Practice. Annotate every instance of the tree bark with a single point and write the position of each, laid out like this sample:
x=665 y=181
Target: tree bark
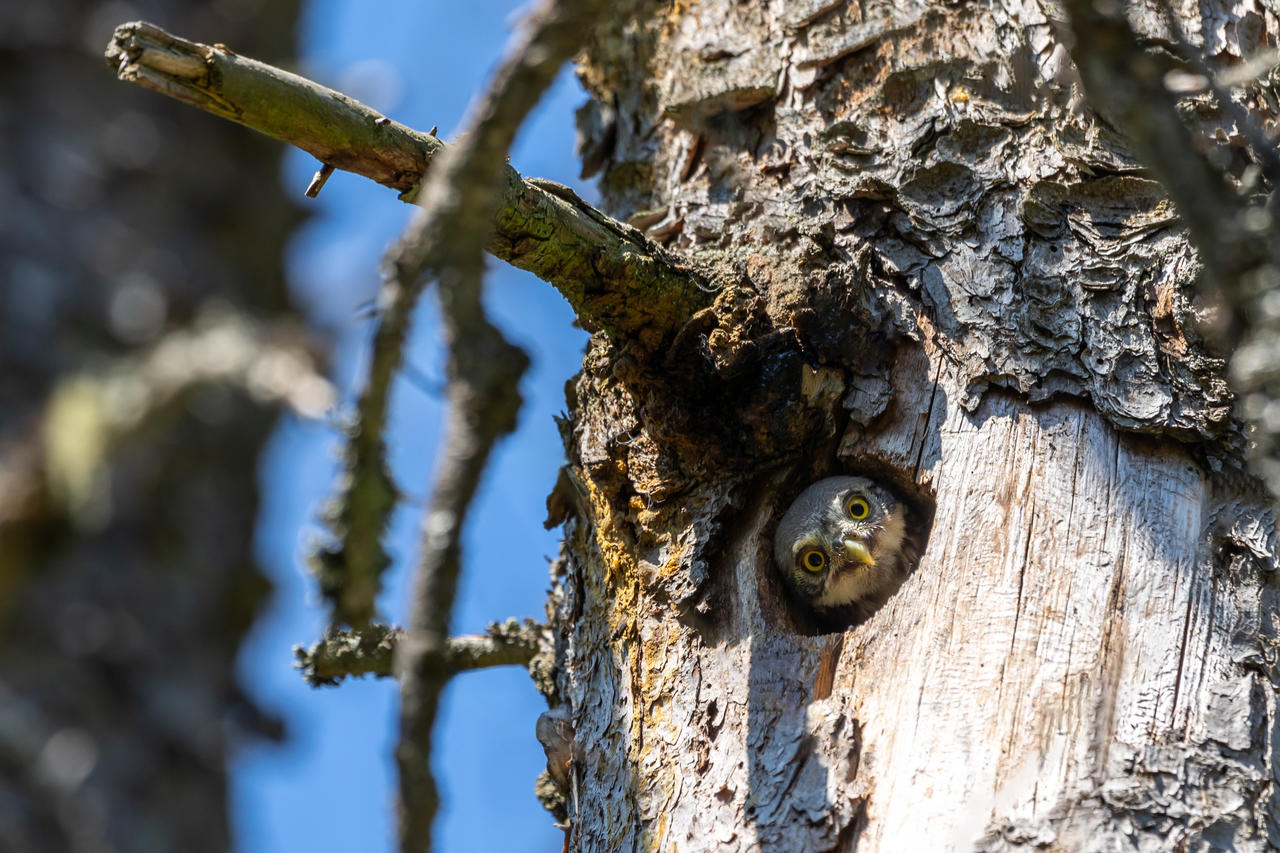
x=951 y=275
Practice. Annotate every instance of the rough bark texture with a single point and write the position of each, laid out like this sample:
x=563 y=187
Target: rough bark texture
x=126 y=574
x=952 y=275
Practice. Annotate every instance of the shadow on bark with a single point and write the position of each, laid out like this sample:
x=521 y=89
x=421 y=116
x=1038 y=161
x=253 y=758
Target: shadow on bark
x=788 y=780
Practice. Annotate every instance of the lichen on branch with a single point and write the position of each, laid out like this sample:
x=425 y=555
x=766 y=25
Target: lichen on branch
x=355 y=654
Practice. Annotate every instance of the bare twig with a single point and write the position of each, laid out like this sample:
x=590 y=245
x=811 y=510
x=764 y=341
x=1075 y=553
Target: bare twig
x=616 y=279
x=318 y=180
x=459 y=204
x=344 y=654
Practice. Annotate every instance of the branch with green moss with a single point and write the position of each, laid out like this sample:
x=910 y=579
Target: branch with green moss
x=615 y=278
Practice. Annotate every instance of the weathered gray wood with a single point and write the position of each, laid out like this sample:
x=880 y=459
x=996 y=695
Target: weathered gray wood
x=955 y=276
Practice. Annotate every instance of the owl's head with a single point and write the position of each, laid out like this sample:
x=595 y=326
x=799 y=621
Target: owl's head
x=841 y=542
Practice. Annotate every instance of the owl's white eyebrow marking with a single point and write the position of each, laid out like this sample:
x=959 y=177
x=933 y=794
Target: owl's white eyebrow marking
x=804 y=545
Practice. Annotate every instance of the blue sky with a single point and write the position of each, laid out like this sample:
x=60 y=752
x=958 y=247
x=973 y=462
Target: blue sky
x=331 y=786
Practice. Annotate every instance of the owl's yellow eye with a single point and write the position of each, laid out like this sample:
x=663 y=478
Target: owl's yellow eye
x=857 y=508
x=813 y=560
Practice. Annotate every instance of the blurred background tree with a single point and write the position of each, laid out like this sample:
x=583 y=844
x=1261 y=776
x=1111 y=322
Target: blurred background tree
x=141 y=241
x=134 y=249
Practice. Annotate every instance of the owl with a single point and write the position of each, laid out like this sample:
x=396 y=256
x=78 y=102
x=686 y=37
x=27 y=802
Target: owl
x=843 y=547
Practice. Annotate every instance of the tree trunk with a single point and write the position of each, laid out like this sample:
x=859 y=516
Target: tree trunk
x=953 y=277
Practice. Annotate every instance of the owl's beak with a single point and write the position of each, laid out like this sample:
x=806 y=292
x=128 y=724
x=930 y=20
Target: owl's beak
x=857 y=551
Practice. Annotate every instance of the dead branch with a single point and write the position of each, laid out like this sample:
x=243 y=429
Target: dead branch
x=616 y=279
x=447 y=241
x=59 y=467
x=347 y=654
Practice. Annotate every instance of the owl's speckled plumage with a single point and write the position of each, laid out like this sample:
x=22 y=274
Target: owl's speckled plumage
x=863 y=559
